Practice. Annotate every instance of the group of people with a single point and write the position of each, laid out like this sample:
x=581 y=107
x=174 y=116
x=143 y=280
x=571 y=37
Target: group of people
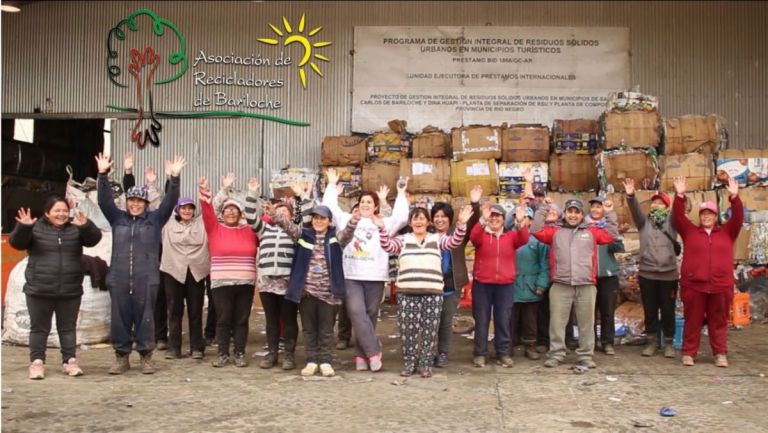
x=536 y=265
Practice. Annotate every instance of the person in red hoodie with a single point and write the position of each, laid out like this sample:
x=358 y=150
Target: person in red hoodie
x=573 y=266
x=706 y=275
x=493 y=281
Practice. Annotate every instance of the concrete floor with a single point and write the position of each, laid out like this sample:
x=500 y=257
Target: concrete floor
x=624 y=393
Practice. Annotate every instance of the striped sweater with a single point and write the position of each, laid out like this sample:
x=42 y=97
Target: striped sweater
x=233 y=249
x=420 y=270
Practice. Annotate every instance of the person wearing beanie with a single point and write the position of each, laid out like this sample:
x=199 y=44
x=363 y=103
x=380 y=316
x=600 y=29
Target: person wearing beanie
x=573 y=268
x=657 y=268
x=185 y=265
x=134 y=271
x=706 y=275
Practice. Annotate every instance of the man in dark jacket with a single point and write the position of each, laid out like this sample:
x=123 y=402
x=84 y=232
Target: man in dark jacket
x=134 y=273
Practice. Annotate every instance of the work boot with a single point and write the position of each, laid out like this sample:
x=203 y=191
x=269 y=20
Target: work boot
x=147 y=367
x=121 y=365
x=288 y=361
x=609 y=350
x=531 y=352
x=506 y=361
x=479 y=361
x=651 y=347
x=588 y=363
x=269 y=361
x=552 y=362
x=669 y=350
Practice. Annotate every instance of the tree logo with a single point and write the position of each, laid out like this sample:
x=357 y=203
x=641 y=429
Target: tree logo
x=298 y=37
x=142 y=64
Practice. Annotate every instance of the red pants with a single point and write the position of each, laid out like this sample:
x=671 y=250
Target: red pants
x=715 y=308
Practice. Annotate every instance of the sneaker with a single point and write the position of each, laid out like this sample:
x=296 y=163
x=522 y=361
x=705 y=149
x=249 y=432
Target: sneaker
x=506 y=361
x=288 y=362
x=121 y=365
x=197 y=354
x=542 y=348
x=531 y=353
x=609 y=350
x=342 y=345
x=478 y=361
x=375 y=362
x=688 y=361
x=269 y=361
x=172 y=354
x=326 y=370
x=669 y=351
x=650 y=348
x=360 y=363
x=37 y=370
x=240 y=360
x=211 y=342
x=220 y=361
x=161 y=345
x=588 y=363
x=721 y=361
x=552 y=362
x=441 y=360
x=309 y=370
x=71 y=368
x=281 y=345
x=147 y=367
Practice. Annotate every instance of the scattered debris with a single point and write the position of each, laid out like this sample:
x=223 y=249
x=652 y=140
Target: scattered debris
x=667 y=411
x=641 y=423
x=728 y=402
x=614 y=399
x=611 y=378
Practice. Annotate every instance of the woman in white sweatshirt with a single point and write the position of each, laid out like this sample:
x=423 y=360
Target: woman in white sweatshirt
x=366 y=266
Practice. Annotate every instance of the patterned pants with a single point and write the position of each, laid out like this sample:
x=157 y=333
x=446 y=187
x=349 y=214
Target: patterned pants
x=419 y=318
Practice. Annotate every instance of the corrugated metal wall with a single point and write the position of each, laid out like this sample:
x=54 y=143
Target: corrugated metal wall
x=697 y=57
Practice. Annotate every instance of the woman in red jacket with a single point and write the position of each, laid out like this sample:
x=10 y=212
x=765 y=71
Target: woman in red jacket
x=706 y=275
x=493 y=281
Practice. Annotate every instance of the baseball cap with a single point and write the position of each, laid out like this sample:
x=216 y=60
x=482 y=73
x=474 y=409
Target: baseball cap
x=597 y=199
x=232 y=202
x=322 y=211
x=499 y=209
x=661 y=196
x=183 y=201
x=136 y=192
x=574 y=203
x=708 y=205
x=556 y=208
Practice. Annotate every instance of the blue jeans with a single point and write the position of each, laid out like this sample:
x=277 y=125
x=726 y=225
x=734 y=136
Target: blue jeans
x=496 y=299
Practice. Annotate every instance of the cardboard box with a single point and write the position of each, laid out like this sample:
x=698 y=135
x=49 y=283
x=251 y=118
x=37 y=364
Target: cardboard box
x=621 y=207
x=573 y=172
x=637 y=129
x=742 y=248
x=428 y=200
x=459 y=202
x=466 y=174
x=343 y=150
x=387 y=147
x=379 y=173
x=476 y=142
x=688 y=134
x=748 y=166
x=636 y=165
x=525 y=143
x=350 y=178
x=559 y=198
x=576 y=135
x=427 y=174
x=696 y=167
x=431 y=145
x=755 y=199
x=281 y=180
x=576 y=126
x=511 y=180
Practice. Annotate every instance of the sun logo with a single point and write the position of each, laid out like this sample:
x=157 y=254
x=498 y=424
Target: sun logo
x=304 y=41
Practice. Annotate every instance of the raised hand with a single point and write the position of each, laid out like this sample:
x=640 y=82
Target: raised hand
x=80 y=219
x=301 y=188
x=608 y=205
x=520 y=212
x=378 y=221
x=269 y=208
x=548 y=200
x=175 y=165
x=401 y=187
x=681 y=185
x=228 y=180
x=128 y=162
x=202 y=185
x=629 y=186
x=332 y=176
x=733 y=187
x=25 y=217
x=475 y=194
x=150 y=175
x=383 y=192
x=253 y=184
x=465 y=214
x=104 y=163
x=486 y=210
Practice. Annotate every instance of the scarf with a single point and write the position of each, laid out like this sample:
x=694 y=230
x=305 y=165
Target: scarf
x=658 y=216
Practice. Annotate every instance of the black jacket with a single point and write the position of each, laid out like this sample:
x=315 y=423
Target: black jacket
x=54 y=269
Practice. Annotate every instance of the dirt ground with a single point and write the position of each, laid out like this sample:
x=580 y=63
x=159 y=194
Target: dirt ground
x=625 y=393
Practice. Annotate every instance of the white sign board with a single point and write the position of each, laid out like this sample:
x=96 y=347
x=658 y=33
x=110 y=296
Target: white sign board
x=453 y=76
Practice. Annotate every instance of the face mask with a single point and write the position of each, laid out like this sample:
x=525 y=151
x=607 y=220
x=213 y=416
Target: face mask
x=658 y=215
